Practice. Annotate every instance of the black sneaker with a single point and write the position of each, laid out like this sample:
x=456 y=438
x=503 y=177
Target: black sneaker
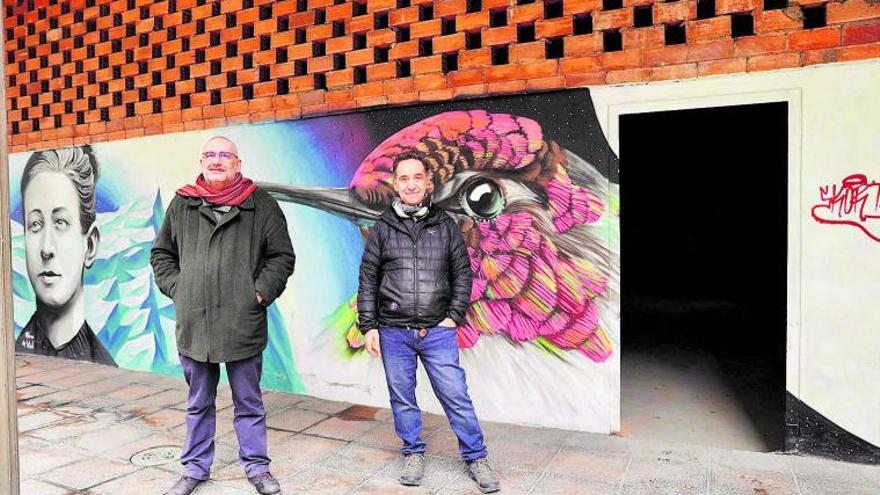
x=265 y=483
x=184 y=486
x=413 y=469
x=480 y=472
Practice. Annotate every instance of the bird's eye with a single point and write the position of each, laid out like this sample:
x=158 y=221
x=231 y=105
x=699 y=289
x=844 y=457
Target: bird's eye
x=482 y=199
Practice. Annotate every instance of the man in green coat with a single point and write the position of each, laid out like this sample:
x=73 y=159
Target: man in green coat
x=223 y=255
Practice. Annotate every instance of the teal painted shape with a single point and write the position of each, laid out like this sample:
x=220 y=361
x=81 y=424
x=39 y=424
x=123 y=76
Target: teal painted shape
x=132 y=318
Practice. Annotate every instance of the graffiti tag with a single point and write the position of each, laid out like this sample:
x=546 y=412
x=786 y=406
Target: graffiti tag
x=855 y=201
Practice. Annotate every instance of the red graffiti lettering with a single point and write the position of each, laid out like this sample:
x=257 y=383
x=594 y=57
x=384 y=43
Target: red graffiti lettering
x=855 y=201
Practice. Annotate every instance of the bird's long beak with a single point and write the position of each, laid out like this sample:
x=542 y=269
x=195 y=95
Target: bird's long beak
x=336 y=200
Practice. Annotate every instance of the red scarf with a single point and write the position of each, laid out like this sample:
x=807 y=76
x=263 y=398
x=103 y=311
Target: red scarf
x=234 y=194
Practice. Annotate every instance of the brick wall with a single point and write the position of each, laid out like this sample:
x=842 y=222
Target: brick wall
x=94 y=70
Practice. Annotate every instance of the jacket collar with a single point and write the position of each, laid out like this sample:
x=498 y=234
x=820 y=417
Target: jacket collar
x=435 y=216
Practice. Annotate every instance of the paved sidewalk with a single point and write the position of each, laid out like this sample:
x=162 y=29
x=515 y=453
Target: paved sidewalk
x=80 y=424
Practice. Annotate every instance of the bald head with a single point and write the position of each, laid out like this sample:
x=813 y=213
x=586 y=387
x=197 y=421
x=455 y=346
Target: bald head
x=220 y=163
x=222 y=141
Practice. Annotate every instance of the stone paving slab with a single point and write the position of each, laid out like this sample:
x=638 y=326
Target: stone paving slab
x=80 y=424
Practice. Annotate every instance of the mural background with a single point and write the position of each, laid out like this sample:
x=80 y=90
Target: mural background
x=522 y=382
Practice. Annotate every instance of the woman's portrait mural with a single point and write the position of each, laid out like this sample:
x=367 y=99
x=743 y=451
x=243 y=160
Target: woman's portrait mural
x=61 y=241
x=530 y=180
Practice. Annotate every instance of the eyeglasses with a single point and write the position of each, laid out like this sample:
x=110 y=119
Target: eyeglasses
x=224 y=155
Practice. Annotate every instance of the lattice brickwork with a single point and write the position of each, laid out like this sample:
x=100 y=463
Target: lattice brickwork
x=92 y=70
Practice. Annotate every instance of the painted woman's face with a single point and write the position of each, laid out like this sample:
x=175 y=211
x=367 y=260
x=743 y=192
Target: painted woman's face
x=56 y=248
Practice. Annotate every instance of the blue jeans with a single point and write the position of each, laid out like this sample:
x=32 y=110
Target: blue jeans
x=438 y=351
x=250 y=417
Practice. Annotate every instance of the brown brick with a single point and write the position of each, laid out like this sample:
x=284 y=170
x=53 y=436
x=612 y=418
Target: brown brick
x=444 y=8
x=681 y=71
x=425 y=28
x=367 y=89
x=708 y=29
x=524 y=52
x=339 y=96
x=424 y=82
x=469 y=91
x=612 y=19
x=404 y=16
x=436 y=95
x=858 y=52
x=674 y=12
x=406 y=50
x=499 y=36
x=191 y=114
x=852 y=10
x=648 y=37
x=371 y=101
x=337 y=12
x=449 y=43
x=313 y=97
x=359 y=57
x=668 y=55
x=379 y=5
x=401 y=85
x=814 y=38
x=526 y=13
x=778 y=20
x=583 y=44
x=403 y=98
x=424 y=65
x=621 y=59
x=288 y=114
x=383 y=37
x=545 y=83
x=861 y=33
x=360 y=24
x=585 y=64
x=712 y=50
x=320 y=64
x=553 y=27
x=320 y=32
x=474 y=58
x=473 y=21
x=466 y=77
x=735 y=6
x=381 y=72
x=506 y=87
x=580 y=6
x=540 y=69
x=819 y=56
x=628 y=76
x=504 y=72
x=337 y=45
x=759 y=44
x=340 y=78
x=772 y=62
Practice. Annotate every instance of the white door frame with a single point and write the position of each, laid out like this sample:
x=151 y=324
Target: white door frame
x=613 y=102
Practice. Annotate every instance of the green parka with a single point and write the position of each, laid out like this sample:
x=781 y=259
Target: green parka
x=213 y=269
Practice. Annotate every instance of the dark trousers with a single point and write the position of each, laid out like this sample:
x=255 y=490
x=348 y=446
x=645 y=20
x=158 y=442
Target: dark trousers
x=438 y=351
x=250 y=417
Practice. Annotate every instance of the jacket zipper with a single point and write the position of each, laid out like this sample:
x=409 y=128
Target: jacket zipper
x=415 y=282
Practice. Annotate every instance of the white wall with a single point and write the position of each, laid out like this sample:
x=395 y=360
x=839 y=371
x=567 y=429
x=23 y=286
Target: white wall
x=833 y=362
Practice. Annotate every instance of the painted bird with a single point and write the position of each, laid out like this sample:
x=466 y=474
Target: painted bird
x=531 y=214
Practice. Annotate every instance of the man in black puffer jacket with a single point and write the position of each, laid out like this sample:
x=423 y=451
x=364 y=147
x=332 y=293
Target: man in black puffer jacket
x=415 y=287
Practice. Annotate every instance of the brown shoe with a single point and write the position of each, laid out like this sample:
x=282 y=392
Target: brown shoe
x=265 y=483
x=184 y=486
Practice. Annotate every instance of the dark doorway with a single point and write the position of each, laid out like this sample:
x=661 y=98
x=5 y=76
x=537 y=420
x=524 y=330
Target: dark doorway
x=703 y=275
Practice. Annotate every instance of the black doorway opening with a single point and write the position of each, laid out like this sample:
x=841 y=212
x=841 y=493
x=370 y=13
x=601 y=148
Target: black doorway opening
x=703 y=196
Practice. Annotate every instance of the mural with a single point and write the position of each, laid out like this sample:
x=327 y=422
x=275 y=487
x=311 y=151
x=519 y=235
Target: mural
x=526 y=178
x=855 y=201
x=61 y=241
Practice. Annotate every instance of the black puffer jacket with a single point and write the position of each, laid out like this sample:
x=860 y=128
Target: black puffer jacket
x=413 y=273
